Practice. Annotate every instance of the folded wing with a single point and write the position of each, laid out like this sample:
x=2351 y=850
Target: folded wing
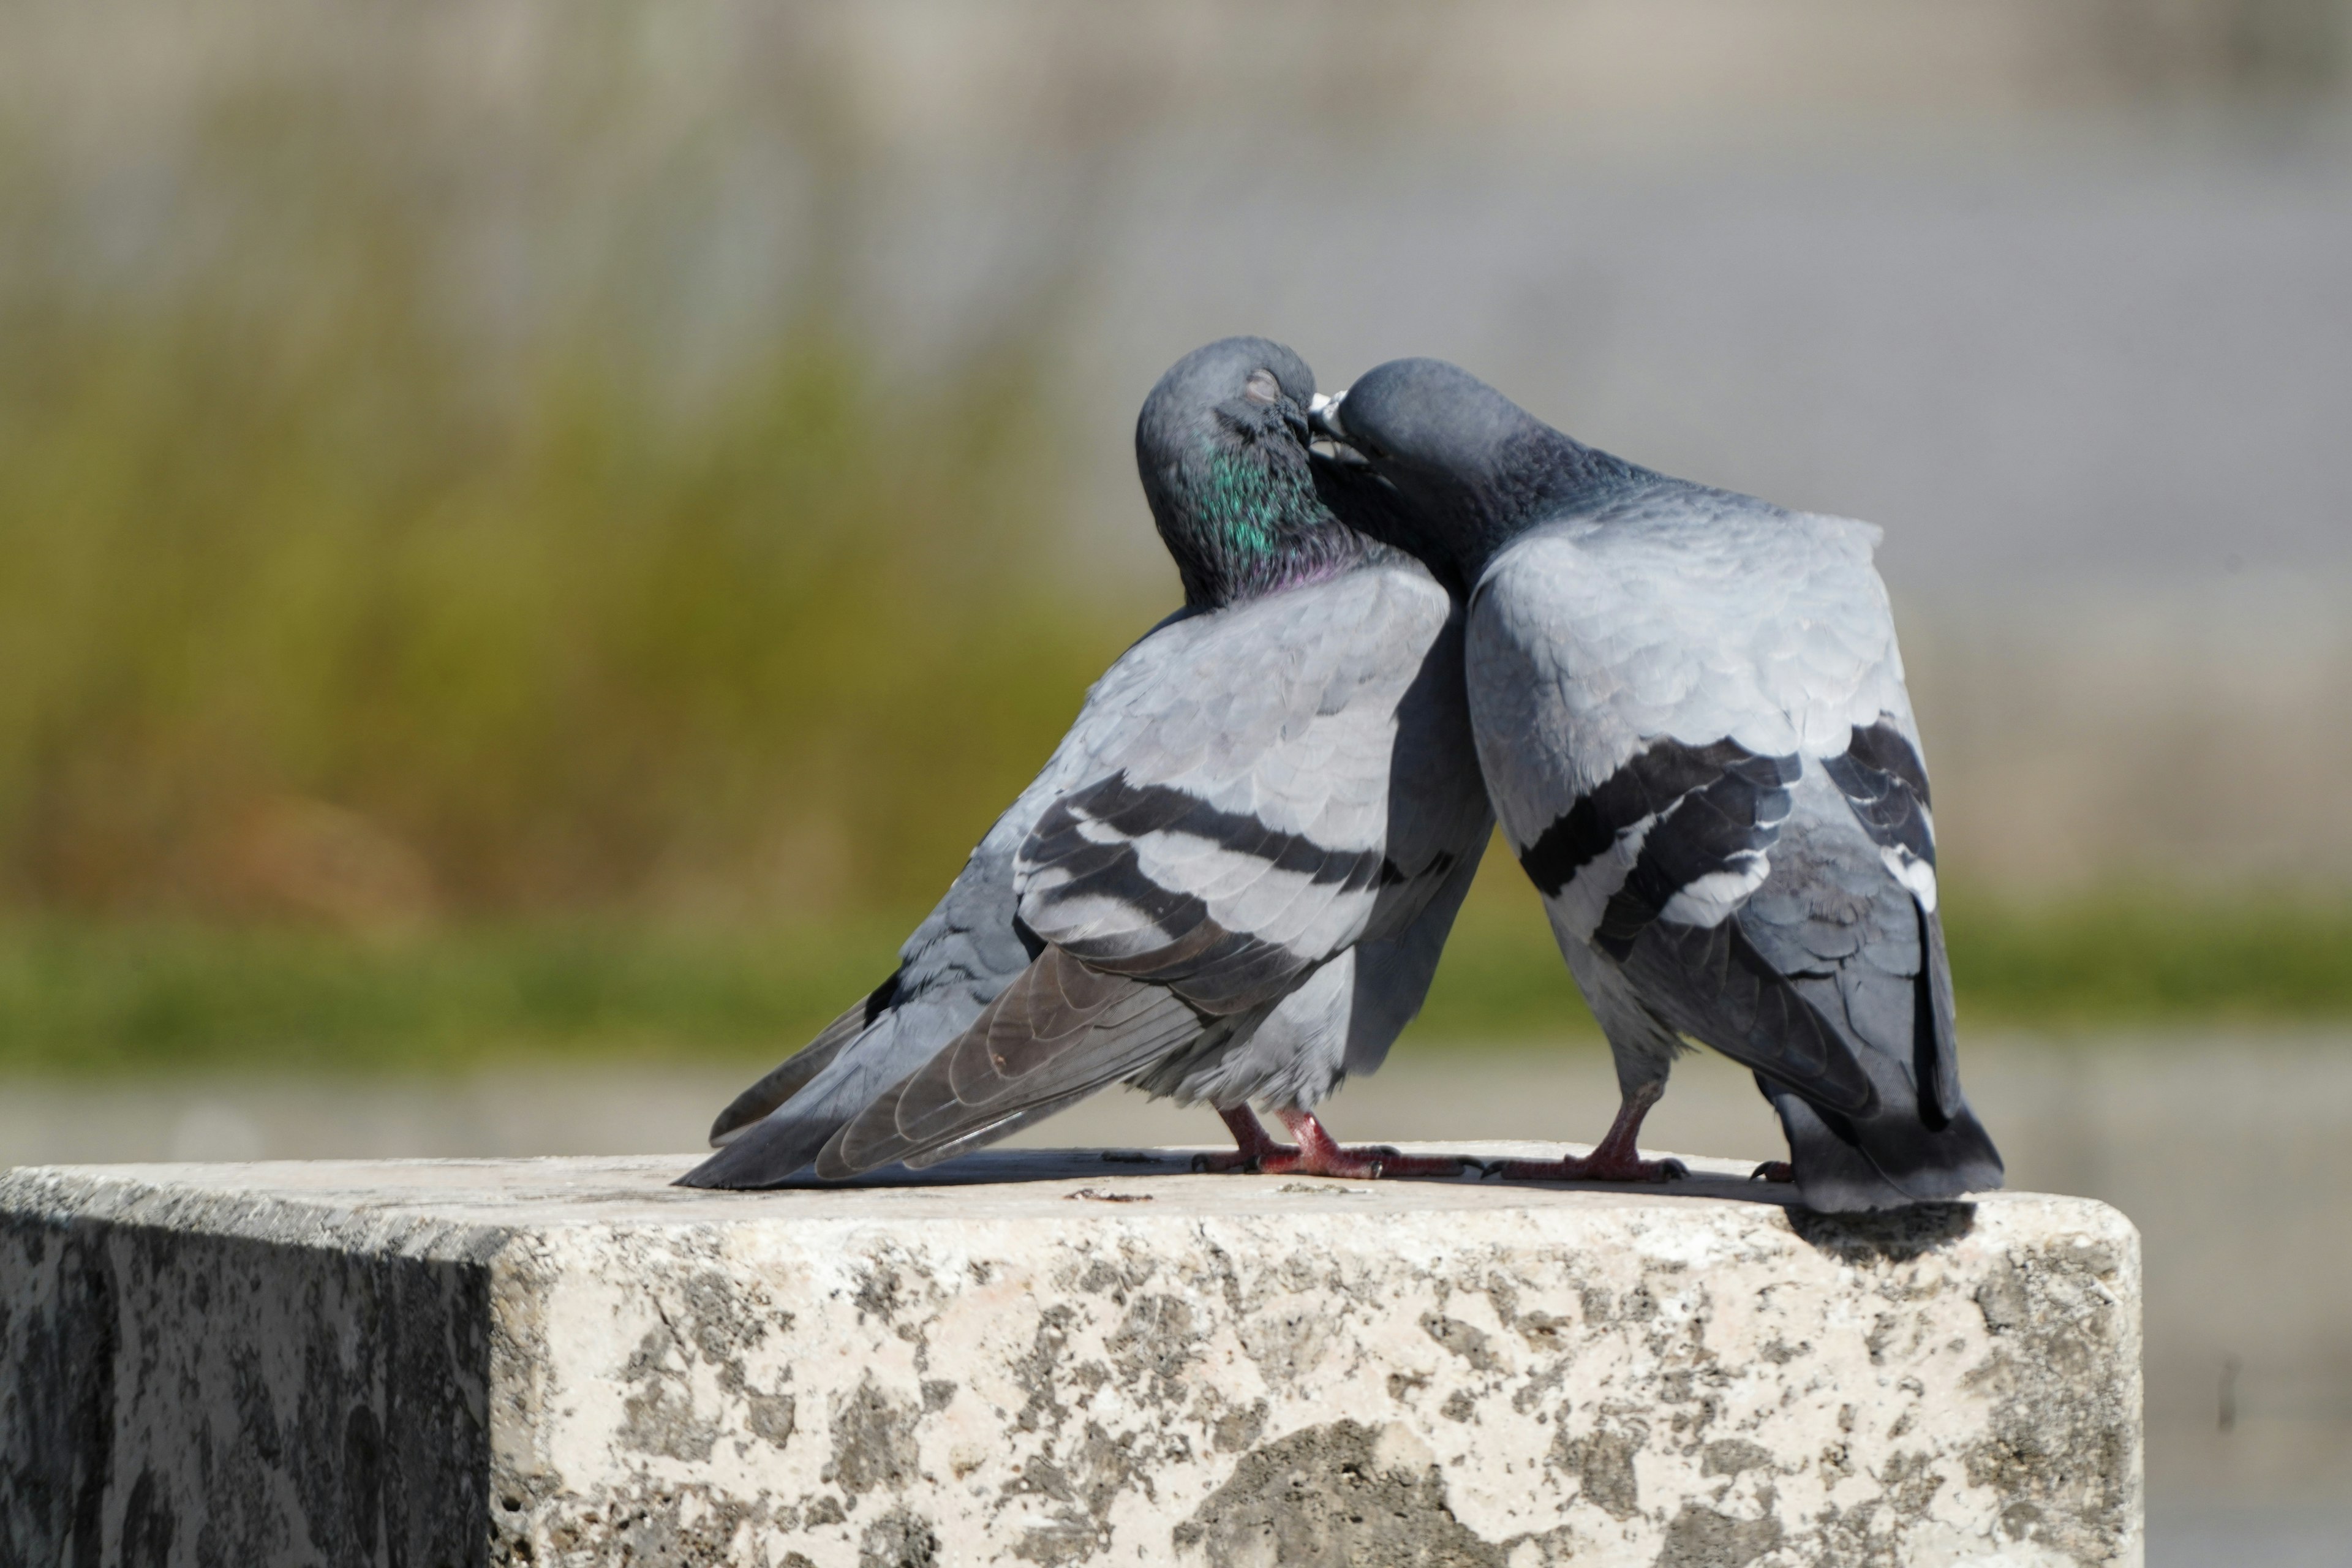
x=1240 y=831
x=1721 y=796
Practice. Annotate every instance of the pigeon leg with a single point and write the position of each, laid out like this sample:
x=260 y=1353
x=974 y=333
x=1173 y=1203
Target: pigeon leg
x=1315 y=1154
x=1253 y=1144
x=1614 y=1158
x=1318 y=1155
x=1773 y=1171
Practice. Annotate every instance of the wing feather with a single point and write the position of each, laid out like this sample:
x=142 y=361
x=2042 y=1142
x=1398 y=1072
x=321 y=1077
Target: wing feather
x=790 y=1076
x=1058 y=1033
x=1691 y=715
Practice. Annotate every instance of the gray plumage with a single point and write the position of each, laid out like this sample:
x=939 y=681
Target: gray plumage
x=1233 y=880
x=1690 y=710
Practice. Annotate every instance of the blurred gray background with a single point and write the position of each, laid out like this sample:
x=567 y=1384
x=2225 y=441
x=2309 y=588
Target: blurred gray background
x=2059 y=292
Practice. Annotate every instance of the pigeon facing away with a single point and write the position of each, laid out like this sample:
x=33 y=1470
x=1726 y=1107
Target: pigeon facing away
x=1232 y=882
x=1690 y=710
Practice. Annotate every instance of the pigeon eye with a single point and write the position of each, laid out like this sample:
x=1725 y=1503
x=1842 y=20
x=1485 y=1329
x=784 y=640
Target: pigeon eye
x=1262 y=389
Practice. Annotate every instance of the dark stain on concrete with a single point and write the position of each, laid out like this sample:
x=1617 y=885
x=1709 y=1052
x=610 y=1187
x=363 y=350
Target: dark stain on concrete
x=657 y=1417
x=1730 y=1456
x=770 y=1416
x=899 y=1539
x=645 y=1525
x=1546 y=1333
x=1699 y=1537
x=1601 y=1457
x=2062 y=1442
x=1237 y=1429
x=881 y=1294
x=1037 y=1372
x=1082 y=1483
x=873 y=1442
x=1463 y=1340
x=1322 y=1497
x=1159 y=1337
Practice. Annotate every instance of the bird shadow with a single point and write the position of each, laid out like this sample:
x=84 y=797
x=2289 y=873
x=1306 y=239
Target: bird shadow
x=1889 y=1235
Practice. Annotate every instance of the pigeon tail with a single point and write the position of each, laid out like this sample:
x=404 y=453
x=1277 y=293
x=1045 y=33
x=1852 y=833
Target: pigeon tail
x=1056 y=1034
x=1889 y=1160
x=773 y=1151
x=767 y=1154
x=748 y=1108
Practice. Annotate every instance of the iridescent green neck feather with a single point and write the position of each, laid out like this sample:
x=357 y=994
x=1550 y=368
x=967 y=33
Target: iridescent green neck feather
x=1246 y=523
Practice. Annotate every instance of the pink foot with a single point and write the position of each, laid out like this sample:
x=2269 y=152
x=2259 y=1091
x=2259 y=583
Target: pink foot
x=1594 y=1167
x=1614 y=1158
x=1315 y=1154
x=1773 y=1171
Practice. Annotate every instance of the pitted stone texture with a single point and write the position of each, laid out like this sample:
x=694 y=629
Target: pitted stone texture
x=1083 y=1360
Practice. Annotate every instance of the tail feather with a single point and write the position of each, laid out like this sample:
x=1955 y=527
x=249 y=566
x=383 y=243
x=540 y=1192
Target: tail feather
x=994 y=1132
x=1057 y=1034
x=1887 y=1160
x=792 y=1075
x=780 y=1145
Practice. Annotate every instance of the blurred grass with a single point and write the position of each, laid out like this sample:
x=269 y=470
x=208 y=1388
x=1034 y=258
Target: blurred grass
x=2117 y=957
x=783 y=653
x=327 y=598
x=2152 y=955
x=115 y=996
x=427 y=638
x=80 y=996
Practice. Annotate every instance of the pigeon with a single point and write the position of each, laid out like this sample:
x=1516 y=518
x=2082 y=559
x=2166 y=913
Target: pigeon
x=1234 y=879
x=1689 y=709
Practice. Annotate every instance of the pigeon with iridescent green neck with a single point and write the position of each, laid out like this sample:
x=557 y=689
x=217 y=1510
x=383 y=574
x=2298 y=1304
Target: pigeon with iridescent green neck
x=1232 y=882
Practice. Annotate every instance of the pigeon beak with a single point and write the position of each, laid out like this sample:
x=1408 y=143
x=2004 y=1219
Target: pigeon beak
x=1323 y=416
x=1331 y=436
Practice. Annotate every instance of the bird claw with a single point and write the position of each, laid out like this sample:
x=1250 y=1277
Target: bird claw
x=1349 y=1164
x=1590 y=1168
x=1367 y=1163
x=1773 y=1171
x=1392 y=1164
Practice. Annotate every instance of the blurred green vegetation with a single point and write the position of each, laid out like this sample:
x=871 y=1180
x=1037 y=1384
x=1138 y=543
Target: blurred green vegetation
x=2152 y=955
x=399 y=668
x=112 y=995
x=2114 y=957
x=324 y=600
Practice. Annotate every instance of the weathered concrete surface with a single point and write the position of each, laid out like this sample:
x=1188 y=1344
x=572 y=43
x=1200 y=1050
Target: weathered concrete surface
x=1088 y=1359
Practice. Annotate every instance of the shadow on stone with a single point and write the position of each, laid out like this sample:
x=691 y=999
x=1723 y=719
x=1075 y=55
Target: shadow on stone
x=1895 y=1236
x=1697 y=1184
x=1001 y=1165
x=988 y=1166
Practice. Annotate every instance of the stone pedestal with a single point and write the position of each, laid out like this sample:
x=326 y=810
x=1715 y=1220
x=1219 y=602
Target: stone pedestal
x=1063 y=1359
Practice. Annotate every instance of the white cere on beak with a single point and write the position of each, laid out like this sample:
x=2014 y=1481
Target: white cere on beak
x=1323 y=414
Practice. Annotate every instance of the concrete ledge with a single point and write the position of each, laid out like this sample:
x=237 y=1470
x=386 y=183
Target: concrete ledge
x=1053 y=1359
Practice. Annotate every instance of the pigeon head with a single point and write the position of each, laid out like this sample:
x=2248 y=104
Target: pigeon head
x=1222 y=448
x=1441 y=463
